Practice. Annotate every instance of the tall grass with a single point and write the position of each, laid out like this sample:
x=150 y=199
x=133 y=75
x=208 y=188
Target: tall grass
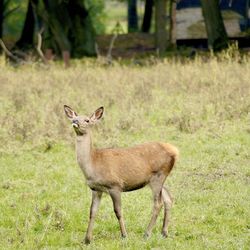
x=201 y=106
x=187 y=97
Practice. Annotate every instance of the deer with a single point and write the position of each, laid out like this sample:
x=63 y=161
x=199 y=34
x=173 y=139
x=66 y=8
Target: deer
x=117 y=170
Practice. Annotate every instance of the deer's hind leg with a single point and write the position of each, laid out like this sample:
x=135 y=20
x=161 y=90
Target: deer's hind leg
x=167 y=201
x=156 y=184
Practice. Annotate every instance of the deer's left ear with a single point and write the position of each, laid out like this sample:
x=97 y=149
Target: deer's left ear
x=97 y=115
x=70 y=113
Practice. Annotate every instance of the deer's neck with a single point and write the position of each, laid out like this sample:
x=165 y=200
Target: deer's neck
x=83 y=153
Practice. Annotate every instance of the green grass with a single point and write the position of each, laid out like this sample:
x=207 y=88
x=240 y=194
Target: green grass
x=201 y=106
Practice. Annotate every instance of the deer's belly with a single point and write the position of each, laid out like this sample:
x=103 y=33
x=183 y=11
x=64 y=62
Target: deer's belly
x=128 y=188
x=100 y=187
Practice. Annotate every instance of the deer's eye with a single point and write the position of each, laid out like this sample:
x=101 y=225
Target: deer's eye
x=87 y=120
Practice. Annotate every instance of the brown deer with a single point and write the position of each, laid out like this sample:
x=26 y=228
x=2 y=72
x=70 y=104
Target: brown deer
x=116 y=170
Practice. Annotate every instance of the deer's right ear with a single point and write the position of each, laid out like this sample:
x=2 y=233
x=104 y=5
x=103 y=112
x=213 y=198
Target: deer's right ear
x=70 y=113
x=97 y=115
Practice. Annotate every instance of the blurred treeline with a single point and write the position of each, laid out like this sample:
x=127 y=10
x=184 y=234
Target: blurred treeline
x=69 y=27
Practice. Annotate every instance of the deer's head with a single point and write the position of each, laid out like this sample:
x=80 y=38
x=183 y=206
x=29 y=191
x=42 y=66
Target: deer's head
x=82 y=123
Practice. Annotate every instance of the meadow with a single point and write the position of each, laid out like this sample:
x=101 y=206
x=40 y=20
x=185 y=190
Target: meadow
x=201 y=106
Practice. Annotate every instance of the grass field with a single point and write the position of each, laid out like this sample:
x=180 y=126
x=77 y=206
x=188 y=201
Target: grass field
x=201 y=106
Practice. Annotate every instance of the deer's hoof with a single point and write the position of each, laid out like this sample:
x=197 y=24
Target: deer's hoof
x=124 y=236
x=164 y=234
x=87 y=241
x=146 y=235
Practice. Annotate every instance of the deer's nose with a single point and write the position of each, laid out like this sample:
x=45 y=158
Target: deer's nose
x=75 y=121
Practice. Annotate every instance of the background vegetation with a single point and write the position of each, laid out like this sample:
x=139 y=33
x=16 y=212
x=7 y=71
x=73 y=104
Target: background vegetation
x=68 y=29
x=201 y=106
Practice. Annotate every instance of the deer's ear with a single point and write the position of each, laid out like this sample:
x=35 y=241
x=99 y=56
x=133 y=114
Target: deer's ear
x=70 y=113
x=97 y=115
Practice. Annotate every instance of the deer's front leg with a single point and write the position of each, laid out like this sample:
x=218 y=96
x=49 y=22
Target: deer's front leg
x=116 y=198
x=96 y=198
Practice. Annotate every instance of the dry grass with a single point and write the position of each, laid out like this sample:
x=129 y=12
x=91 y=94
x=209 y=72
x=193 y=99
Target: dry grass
x=186 y=96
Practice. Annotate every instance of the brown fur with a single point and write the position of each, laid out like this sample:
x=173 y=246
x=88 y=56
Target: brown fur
x=128 y=168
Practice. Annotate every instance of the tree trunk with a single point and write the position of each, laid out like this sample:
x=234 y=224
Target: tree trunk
x=216 y=32
x=82 y=30
x=132 y=16
x=26 y=39
x=147 y=18
x=57 y=25
x=160 y=26
x=1 y=18
x=172 y=29
x=68 y=29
